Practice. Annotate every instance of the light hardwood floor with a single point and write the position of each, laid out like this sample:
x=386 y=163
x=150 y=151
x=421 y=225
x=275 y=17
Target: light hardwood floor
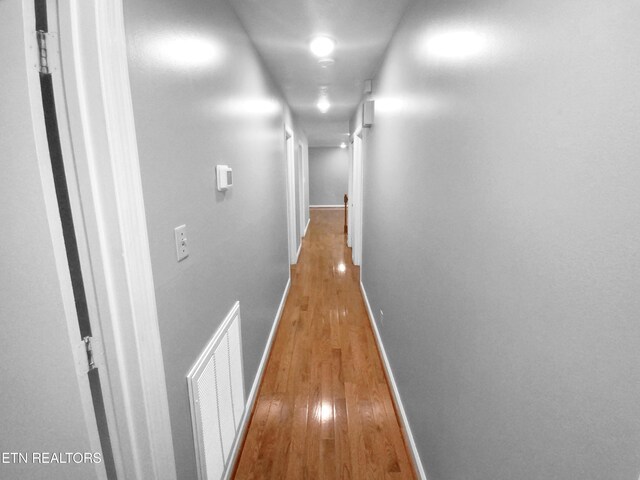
x=324 y=409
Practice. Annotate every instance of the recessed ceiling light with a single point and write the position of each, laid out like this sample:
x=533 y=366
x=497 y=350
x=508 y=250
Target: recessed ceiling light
x=322 y=46
x=343 y=145
x=323 y=104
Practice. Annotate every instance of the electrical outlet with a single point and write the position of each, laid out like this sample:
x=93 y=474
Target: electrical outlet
x=182 y=247
x=381 y=318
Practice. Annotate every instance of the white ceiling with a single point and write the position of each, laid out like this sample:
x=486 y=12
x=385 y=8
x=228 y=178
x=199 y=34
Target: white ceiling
x=282 y=30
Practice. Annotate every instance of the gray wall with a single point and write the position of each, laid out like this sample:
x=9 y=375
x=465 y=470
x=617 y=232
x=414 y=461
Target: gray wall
x=40 y=406
x=505 y=252
x=328 y=171
x=213 y=103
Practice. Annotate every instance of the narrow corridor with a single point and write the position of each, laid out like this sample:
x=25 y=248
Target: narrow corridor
x=324 y=409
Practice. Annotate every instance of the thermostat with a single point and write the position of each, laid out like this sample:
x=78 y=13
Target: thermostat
x=224 y=176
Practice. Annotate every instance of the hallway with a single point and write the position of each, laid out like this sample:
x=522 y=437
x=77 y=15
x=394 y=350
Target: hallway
x=169 y=165
x=324 y=409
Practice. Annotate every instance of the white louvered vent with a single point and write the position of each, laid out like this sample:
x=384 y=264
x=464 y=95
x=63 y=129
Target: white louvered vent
x=216 y=393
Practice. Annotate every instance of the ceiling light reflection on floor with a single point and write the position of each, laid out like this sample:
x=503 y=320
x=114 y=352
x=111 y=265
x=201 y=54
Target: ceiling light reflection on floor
x=327 y=412
x=342 y=267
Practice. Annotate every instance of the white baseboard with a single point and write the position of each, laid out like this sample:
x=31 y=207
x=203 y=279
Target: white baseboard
x=306 y=228
x=394 y=387
x=326 y=206
x=298 y=252
x=244 y=423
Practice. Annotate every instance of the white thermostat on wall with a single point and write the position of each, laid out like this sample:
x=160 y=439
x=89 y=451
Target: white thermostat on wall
x=224 y=177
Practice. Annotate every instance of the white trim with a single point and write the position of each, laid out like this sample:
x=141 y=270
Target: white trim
x=357 y=195
x=291 y=192
x=394 y=387
x=299 y=249
x=350 y=197
x=326 y=206
x=105 y=150
x=248 y=409
x=76 y=346
x=300 y=177
x=307 y=227
x=305 y=193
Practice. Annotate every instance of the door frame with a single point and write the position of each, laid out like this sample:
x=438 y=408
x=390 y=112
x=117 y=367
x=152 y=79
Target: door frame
x=55 y=222
x=291 y=195
x=350 y=194
x=301 y=178
x=356 y=196
x=100 y=115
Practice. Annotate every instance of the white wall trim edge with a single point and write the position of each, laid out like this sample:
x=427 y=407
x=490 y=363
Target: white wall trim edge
x=298 y=252
x=244 y=423
x=394 y=387
x=105 y=147
x=53 y=217
x=291 y=186
x=307 y=227
x=326 y=206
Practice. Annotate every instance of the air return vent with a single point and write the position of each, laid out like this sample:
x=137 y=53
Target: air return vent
x=216 y=393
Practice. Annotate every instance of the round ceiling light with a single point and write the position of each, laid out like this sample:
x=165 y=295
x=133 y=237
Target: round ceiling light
x=322 y=46
x=323 y=104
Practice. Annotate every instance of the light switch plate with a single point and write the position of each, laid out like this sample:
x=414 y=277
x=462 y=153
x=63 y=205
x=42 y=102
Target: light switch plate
x=182 y=247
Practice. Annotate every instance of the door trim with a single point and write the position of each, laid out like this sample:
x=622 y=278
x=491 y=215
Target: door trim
x=357 y=179
x=94 y=59
x=302 y=178
x=291 y=194
x=350 y=195
x=76 y=346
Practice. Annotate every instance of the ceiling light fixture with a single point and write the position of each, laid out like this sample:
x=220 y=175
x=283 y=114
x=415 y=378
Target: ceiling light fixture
x=322 y=46
x=323 y=104
x=343 y=145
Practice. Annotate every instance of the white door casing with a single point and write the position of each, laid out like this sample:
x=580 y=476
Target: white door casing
x=46 y=401
x=98 y=100
x=350 y=196
x=291 y=195
x=356 y=202
x=300 y=177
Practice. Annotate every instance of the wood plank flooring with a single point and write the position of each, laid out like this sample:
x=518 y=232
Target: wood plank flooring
x=324 y=409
